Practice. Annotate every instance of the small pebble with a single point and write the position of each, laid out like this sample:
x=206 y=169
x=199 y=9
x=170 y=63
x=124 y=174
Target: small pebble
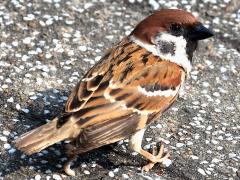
x=148 y=139
x=86 y=172
x=167 y=162
x=159 y=126
x=3 y=138
x=10 y=99
x=57 y=177
x=111 y=174
x=37 y=177
x=178 y=145
x=18 y=107
x=232 y=155
x=194 y=157
x=6 y=133
x=7 y=146
x=12 y=150
x=201 y=171
x=25 y=110
x=125 y=176
x=83 y=165
x=46 y=111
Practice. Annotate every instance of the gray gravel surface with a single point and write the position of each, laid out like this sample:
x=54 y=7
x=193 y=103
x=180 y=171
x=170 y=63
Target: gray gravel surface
x=45 y=48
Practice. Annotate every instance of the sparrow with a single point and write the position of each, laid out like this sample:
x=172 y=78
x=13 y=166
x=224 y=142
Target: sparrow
x=132 y=85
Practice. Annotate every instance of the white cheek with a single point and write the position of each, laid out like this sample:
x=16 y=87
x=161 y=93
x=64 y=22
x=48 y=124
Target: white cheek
x=179 y=57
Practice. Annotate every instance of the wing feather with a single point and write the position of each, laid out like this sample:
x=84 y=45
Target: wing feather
x=99 y=134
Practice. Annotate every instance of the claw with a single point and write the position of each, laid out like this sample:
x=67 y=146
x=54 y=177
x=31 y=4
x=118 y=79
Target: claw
x=147 y=167
x=159 y=158
x=160 y=153
x=68 y=170
x=67 y=166
x=150 y=164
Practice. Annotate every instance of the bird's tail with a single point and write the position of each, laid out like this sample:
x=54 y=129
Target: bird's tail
x=46 y=135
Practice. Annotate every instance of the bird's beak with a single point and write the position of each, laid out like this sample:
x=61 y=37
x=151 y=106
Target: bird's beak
x=199 y=32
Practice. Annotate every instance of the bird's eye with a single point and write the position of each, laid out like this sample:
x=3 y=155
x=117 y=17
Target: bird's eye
x=176 y=29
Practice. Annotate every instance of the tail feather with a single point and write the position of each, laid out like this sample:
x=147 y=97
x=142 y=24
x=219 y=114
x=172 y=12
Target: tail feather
x=38 y=139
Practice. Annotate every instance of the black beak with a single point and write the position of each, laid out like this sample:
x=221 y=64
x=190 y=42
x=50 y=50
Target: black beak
x=199 y=32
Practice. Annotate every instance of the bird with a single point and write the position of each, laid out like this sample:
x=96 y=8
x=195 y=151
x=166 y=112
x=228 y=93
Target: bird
x=131 y=86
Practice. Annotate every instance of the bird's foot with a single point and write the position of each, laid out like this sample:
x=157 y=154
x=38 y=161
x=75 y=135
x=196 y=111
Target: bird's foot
x=67 y=166
x=158 y=158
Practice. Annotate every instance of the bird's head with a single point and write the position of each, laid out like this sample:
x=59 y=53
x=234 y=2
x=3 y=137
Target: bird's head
x=172 y=31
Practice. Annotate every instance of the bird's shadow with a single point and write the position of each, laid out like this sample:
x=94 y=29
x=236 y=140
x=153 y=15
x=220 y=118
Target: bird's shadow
x=47 y=105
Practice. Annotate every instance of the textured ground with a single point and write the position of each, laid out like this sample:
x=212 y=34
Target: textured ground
x=46 y=47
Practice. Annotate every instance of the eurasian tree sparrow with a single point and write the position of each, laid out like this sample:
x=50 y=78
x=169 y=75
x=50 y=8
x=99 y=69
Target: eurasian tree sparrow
x=133 y=84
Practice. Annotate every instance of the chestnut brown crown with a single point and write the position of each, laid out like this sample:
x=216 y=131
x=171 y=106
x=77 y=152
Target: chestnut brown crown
x=175 y=21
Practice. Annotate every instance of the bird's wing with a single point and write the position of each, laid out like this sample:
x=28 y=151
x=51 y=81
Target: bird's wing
x=112 y=105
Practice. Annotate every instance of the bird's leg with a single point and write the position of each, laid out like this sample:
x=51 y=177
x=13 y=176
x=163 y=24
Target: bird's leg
x=136 y=145
x=158 y=156
x=150 y=165
x=71 y=158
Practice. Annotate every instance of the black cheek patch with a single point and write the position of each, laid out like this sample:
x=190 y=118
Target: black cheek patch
x=166 y=47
